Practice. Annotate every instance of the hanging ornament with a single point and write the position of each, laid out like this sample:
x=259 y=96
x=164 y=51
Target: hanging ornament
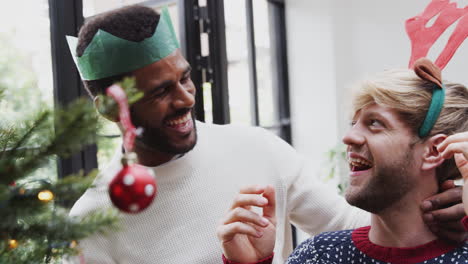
x=134 y=187
x=45 y=196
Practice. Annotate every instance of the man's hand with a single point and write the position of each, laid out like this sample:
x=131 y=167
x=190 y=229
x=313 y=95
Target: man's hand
x=245 y=235
x=444 y=211
x=457 y=145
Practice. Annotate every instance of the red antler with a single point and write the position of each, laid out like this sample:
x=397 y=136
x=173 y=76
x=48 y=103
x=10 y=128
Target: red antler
x=422 y=37
x=456 y=39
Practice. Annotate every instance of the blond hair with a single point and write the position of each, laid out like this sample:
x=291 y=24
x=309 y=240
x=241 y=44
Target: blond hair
x=411 y=96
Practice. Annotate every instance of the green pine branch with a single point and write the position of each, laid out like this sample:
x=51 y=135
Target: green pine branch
x=42 y=229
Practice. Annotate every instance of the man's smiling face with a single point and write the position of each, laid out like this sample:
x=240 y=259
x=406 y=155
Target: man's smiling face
x=382 y=158
x=166 y=110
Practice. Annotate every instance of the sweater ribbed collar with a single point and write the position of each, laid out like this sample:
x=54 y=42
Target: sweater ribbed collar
x=396 y=255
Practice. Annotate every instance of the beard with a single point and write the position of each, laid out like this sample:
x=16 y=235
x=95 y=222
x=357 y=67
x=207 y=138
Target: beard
x=154 y=138
x=387 y=185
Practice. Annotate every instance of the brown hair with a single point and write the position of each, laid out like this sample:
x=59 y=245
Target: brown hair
x=134 y=23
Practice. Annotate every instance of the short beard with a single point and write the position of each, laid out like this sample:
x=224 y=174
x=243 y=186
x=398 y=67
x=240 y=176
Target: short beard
x=386 y=187
x=154 y=139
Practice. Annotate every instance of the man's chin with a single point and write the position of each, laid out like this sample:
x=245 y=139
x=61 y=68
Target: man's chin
x=183 y=147
x=171 y=145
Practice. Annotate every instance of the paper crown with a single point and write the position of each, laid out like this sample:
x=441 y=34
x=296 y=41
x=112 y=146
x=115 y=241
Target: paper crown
x=108 y=55
x=423 y=38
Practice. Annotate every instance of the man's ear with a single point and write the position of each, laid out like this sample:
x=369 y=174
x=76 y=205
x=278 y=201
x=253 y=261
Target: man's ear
x=432 y=158
x=98 y=104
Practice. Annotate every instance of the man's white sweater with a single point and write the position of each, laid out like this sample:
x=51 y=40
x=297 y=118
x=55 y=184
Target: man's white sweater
x=196 y=190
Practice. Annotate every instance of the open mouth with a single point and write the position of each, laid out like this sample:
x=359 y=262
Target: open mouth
x=179 y=121
x=359 y=164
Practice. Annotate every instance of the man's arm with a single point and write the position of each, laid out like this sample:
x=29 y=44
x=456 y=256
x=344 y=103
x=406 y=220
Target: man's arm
x=316 y=207
x=311 y=205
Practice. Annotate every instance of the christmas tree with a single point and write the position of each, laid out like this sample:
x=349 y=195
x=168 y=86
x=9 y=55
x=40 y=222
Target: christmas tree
x=35 y=226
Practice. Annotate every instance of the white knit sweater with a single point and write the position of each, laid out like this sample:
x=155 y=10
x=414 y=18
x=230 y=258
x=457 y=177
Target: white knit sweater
x=195 y=191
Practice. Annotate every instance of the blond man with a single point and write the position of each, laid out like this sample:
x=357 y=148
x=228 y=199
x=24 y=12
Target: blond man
x=393 y=168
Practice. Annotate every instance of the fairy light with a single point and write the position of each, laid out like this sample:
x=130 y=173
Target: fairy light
x=12 y=243
x=45 y=196
x=73 y=244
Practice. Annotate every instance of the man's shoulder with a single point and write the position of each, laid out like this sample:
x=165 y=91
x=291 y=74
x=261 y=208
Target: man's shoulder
x=235 y=129
x=96 y=197
x=329 y=240
x=460 y=253
x=332 y=239
x=314 y=248
x=257 y=140
x=235 y=134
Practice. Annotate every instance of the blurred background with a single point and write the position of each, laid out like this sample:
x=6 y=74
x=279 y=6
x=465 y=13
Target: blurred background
x=285 y=65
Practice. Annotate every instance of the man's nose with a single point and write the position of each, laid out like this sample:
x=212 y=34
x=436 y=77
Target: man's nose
x=184 y=97
x=354 y=137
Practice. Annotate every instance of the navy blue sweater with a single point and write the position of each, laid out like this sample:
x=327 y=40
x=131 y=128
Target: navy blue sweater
x=354 y=247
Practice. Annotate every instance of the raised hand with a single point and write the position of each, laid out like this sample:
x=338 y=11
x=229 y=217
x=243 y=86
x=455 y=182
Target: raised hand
x=457 y=145
x=245 y=235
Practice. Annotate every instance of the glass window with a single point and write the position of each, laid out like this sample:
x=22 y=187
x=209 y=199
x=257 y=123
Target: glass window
x=26 y=64
x=266 y=96
x=238 y=62
x=94 y=7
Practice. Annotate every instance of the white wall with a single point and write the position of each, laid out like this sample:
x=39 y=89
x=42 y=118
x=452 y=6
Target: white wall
x=334 y=43
x=312 y=73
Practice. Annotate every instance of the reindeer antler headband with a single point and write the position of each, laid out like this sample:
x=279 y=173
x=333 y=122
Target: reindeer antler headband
x=423 y=38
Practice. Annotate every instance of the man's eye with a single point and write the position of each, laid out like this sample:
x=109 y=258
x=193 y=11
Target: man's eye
x=184 y=80
x=376 y=123
x=159 y=92
x=352 y=123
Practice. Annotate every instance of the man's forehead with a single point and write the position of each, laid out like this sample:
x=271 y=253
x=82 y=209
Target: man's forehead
x=379 y=110
x=169 y=68
x=173 y=62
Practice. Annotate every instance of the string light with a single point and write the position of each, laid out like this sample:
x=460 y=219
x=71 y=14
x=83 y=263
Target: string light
x=45 y=196
x=73 y=244
x=12 y=244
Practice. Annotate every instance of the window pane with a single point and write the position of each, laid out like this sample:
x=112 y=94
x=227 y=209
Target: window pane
x=94 y=7
x=109 y=140
x=174 y=12
x=238 y=64
x=25 y=64
x=266 y=95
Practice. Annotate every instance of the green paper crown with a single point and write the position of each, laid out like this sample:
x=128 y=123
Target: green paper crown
x=108 y=55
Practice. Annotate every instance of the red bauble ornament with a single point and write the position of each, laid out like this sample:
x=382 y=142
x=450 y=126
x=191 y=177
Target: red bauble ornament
x=133 y=188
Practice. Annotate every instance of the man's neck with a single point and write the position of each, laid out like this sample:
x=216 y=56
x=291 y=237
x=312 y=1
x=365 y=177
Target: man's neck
x=402 y=225
x=151 y=158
